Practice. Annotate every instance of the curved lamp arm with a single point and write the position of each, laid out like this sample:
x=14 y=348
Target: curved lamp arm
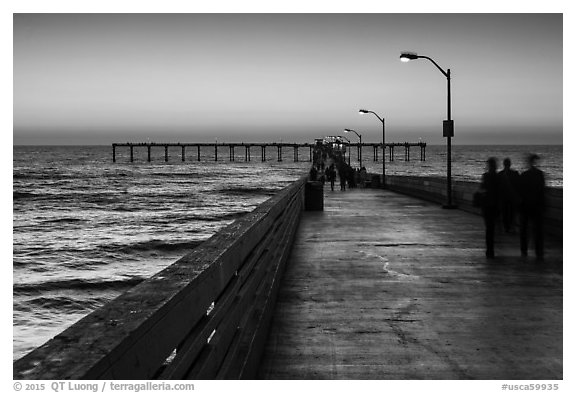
x=349 y=130
x=436 y=64
x=374 y=113
x=407 y=56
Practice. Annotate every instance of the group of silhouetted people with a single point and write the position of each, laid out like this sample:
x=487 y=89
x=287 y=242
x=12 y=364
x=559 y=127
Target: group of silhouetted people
x=348 y=176
x=507 y=195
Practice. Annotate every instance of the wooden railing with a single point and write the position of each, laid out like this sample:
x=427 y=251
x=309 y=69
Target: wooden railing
x=434 y=189
x=204 y=317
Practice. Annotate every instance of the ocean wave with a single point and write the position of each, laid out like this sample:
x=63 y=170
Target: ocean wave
x=162 y=245
x=61 y=303
x=151 y=245
x=16 y=195
x=190 y=175
x=248 y=191
x=65 y=220
x=123 y=208
x=75 y=284
x=215 y=217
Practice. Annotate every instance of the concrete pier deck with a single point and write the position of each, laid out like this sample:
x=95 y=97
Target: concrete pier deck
x=384 y=286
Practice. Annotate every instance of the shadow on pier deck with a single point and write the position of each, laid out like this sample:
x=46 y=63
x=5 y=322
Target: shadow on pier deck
x=384 y=286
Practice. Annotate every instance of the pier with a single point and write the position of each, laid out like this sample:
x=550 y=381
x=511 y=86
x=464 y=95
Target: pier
x=411 y=296
x=279 y=147
x=289 y=293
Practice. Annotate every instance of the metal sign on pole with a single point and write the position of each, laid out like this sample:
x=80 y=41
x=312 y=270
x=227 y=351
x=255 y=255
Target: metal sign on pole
x=448 y=128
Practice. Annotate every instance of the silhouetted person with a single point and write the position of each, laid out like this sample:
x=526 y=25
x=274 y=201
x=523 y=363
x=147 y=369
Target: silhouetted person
x=508 y=187
x=331 y=175
x=490 y=204
x=313 y=173
x=350 y=176
x=343 y=175
x=363 y=177
x=532 y=207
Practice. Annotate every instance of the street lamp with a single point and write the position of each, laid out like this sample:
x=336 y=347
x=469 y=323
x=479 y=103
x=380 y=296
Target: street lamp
x=360 y=148
x=448 y=126
x=348 y=141
x=363 y=111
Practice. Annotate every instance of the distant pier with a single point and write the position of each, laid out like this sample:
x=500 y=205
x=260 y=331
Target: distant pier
x=196 y=147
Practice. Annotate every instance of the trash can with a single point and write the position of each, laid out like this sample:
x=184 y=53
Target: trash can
x=314 y=195
x=375 y=181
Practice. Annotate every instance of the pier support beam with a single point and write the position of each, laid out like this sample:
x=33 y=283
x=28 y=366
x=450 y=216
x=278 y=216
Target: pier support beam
x=279 y=153
x=391 y=153
x=198 y=146
x=231 y=152
x=149 y=154
x=247 y=153
x=215 y=152
x=113 y=153
x=263 y=153
x=166 y=153
x=131 y=153
x=295 y=153
x=311 y=154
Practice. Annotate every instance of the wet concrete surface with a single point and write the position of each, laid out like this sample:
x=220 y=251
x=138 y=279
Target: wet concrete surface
x=385 y=286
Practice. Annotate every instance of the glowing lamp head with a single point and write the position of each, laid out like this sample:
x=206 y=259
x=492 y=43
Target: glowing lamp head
x=407 y=56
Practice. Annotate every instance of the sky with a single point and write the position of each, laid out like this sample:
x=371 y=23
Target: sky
x=104 y=78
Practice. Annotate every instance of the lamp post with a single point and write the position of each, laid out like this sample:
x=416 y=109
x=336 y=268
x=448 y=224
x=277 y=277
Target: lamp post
x=360 y=148
x=363 y=111
x=348 y=140
x=448 y=126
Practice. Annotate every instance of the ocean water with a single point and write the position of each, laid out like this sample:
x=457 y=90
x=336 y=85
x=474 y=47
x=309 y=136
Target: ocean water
x=86 y=229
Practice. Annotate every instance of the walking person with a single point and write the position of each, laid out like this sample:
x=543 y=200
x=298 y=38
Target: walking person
x=489 y=206
x=331 y=175
x=509 y=183
x=532 y=208
x=313 y=173
x=343 y=175
x=363 y=175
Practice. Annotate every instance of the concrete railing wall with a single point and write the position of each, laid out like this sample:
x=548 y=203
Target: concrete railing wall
x=434 y=189
x=204 y=317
